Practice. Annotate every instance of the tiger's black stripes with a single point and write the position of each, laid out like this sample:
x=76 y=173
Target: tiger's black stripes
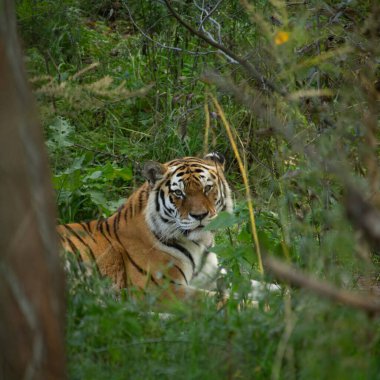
x=141 y=270
x=86 y=226
x=142 y=198
x=183 y=250
x=167 y=213
x=171 y=281
x=182 y=273
x=175 y=266
x=107 y=227
x=115 y=229
x=157 y=202
x=81 y=240
x=164 y=219
x=117 y=221
x=125 y=269
x=107 y=231
x=191 y=169
x=138 y=268
x=166 y=208
x=74 y=249
x=101 y=229
x=108 y=238
x=78 y=256
x=125 y=212
x=162 y=197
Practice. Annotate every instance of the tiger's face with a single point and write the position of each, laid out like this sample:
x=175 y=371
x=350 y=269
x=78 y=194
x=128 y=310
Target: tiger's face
x=186 y=194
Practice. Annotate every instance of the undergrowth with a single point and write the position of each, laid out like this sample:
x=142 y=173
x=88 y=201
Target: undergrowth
x=111 y=336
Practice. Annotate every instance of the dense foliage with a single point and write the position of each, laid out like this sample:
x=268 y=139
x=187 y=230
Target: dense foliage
x=120 y=82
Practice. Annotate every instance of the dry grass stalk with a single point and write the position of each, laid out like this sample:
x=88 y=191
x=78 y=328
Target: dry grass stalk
x=244 y=174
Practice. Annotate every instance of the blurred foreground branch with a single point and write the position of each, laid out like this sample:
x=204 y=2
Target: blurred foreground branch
x=32 y=312
x=295 y=277
x=363 y=215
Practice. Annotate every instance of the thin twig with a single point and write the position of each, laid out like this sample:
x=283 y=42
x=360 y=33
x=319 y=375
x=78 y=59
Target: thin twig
x=209 y=14
x=214 y=22
x=152 y=341
x=116 y=156
x=163 y=45
x=209 y=35
x=290 y=324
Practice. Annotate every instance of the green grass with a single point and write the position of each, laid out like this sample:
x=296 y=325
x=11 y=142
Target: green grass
x=109 y=337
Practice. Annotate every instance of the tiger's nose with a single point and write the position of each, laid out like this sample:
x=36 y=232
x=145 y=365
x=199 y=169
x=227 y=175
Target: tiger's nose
x=199 y=216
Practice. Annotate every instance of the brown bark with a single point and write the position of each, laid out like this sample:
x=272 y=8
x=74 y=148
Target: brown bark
x=31 y=280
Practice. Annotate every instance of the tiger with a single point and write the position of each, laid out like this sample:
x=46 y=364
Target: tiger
x=158 y=236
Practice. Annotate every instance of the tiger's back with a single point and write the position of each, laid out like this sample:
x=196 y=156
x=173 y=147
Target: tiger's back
x=158 y=235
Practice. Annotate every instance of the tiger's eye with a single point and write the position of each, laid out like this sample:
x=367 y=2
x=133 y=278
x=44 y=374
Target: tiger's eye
x=178 y=193
x=208 y=188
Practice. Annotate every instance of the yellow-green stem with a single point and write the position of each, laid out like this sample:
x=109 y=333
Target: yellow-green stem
x=207 y=126
x=244 y=174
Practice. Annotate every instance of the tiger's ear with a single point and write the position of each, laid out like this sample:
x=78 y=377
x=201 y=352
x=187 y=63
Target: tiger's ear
x=216 y=157
x=153 y=171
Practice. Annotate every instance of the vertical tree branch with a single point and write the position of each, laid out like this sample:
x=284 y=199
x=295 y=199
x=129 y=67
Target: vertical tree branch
x=31 y=279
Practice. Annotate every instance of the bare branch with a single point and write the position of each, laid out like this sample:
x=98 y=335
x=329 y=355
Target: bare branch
x=209 y=14
x=208 y=34
x=295 y=277
x=251 y=70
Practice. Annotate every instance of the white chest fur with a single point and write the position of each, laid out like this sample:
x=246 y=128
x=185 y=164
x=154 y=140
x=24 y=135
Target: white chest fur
x=206 y=262
x=199 y=265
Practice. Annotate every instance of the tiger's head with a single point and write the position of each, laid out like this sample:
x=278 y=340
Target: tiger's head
x=185 y=195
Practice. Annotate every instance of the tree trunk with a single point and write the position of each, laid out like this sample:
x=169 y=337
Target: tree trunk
x=32 y=306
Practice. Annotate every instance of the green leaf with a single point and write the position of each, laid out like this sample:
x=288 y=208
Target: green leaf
x=69 y=181
x=223 y=220
x=124 y=173
x=95 y=175
x=76 y=165
x=61 y=132
x=98 y=198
